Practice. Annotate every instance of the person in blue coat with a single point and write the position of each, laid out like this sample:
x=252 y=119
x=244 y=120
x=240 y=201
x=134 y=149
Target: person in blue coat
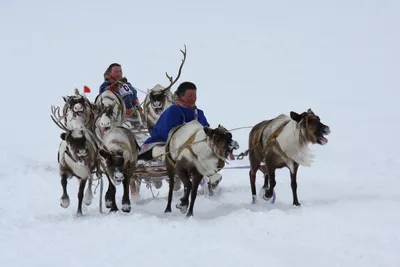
x=114 y=81
x=182 y=111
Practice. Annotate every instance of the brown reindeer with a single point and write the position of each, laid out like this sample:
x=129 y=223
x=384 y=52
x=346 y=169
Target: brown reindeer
x=283 y=142
x=194 y=151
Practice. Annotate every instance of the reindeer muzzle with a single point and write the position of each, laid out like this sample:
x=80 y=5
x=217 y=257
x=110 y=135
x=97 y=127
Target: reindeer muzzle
x=78 y=108
x=105 y=122
x=326 y=130
x=83 y=158
x=321 y=139
x=118 y=177
x=157 y=104
x=232 y=145
x=81 y=152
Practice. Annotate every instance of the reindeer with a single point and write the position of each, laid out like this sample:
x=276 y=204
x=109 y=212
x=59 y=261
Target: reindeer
x=77 y=111
x=110 y=111
x=283 y=142
x=119 y=154
x=195 y=150
x=159 y=98
x=77 y=156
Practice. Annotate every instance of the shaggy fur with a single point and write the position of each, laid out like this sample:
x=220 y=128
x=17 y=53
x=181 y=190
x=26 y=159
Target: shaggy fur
x=283 y=142
x=109 y=112
x=157 y=100
x=78 y=111
x=119 y=152
x=77 y=157
x=195 y=151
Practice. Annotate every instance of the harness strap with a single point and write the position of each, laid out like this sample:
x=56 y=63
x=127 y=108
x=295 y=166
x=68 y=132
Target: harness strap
x=272 y=138
x=187 y=144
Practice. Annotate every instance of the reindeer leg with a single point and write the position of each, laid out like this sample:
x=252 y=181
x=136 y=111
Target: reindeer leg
x=177 y=184
x=171 y=175
x=254 y=166
x=293 y=184
x=108 y=195
x=196 y=181
x=184 y=201
x=82 y=183
x=270 y=191
x=111 y=196
x=135 y=188
x=64 y=201
x=126 y=202
x=89 y=193
x=264 y=170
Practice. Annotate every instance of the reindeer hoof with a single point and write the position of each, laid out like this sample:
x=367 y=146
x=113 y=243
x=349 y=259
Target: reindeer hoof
x=157 y=184
x=113 y=209
x=108 y=203
x=126 y=207
x=296 y=204
x=168 y=210
x=183 y=208
x=64 y=202
x=88 y=200
x=272 y=198
x=189 y=215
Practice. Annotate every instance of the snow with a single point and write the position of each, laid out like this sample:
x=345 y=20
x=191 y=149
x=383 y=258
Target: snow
x=251 y=61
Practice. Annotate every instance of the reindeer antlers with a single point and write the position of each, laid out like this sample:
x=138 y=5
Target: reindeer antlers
x=172 y=82
x=58 y=117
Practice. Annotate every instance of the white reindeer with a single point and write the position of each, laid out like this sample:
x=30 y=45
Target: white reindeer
x=119 y=154
x=159 y=98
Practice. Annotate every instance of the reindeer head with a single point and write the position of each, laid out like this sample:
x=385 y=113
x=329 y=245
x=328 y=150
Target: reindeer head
x=77 y=145
x=114 y=163
x=312 y=127
x=76 y=104
x=158 y=97
x=221 y=141
x=105 y=119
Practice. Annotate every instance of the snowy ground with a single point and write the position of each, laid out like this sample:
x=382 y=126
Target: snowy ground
x=340 y=58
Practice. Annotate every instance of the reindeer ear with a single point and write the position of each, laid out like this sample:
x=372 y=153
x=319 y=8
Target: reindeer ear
x=66 y=98
x=208 y=131
x=104 y=153
x=295 y=116
x=63 y=136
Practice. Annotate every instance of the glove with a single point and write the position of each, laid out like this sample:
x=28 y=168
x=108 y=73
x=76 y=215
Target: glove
x=129 y=112
x=123 y=80
x=139 y=109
